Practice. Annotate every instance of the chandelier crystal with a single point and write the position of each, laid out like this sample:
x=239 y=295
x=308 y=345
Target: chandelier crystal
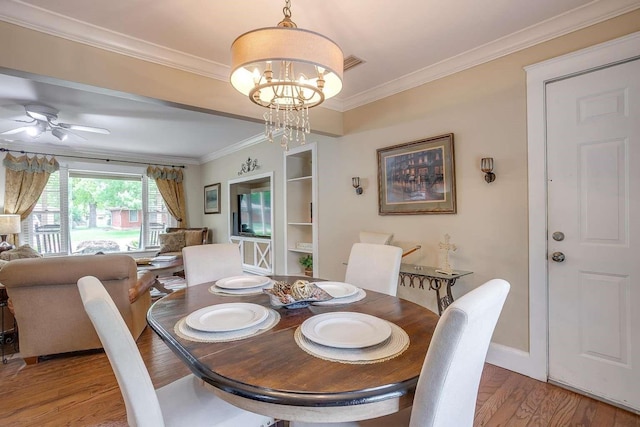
x=287 y=70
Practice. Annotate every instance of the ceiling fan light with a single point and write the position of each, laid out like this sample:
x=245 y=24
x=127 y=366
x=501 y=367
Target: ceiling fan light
x=61 y=135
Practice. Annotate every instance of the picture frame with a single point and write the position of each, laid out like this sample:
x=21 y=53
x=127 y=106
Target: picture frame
x=212 y=198
x=417 y=177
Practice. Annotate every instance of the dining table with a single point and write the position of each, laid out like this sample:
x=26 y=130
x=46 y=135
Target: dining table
x=271 y=372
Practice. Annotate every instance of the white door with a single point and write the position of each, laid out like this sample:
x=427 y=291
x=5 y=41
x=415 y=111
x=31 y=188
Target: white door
x=593 y=158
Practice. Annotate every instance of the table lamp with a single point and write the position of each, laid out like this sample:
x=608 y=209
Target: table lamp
x=9 y=224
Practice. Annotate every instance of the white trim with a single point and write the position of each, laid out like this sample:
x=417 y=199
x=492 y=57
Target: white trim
x=538 y=75
x=29 y=16
x=511 y=358
x=573 y=20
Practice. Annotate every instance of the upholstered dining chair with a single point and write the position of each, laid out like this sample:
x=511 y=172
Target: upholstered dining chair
x=374 y=237
x=375 y=267
x=208 y=263
x=184 y=402
x=447 y=388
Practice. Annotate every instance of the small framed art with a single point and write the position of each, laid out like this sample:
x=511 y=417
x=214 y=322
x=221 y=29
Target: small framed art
x=212 y=199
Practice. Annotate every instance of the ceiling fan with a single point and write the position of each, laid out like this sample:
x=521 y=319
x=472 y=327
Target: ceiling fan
x=45 y=119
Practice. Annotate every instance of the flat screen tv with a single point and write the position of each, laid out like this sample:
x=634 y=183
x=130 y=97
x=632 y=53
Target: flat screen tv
x=254 y=214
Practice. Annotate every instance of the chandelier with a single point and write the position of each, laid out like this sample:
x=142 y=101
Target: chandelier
x=287 y=70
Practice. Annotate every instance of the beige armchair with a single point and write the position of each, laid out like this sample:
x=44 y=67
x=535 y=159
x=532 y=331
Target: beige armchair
x=47 y=307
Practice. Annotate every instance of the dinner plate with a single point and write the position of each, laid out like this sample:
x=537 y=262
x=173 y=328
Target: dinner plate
x=227 y=317
x=338 y=289
x=346 y=329
x=242 y=282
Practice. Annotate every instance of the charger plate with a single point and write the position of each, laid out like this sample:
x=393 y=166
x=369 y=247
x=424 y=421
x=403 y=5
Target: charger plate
x=360 y=295
x=227 y=317
x=394 y=346
x=185 y=332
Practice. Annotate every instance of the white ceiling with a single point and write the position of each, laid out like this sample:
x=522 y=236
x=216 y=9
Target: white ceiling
x=404 y=43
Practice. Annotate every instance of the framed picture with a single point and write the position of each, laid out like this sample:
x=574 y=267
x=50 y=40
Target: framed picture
x=212 y=199
x=417 y=177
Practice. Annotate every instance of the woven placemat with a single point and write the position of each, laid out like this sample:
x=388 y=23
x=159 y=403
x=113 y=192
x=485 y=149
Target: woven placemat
x=394 y=346
x=346 y=300
x=186 y=332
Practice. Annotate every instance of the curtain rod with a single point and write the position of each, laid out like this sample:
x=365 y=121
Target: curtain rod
x=7 y=150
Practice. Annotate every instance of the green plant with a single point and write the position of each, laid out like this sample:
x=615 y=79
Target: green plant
x=306 y=261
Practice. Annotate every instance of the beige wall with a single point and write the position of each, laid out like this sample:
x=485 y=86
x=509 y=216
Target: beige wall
x=485 y=108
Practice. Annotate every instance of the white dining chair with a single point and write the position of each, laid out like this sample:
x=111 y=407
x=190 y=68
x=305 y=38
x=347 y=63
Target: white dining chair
x=375 y=267
x=377 y=238
x=208 y=263
x=447 y=388
x=184 y=402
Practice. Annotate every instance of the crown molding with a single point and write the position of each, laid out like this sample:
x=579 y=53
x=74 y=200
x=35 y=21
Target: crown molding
x=573 y=20
x=42 y=20
x=96 y=155
x=256 y=139
x=39 y=19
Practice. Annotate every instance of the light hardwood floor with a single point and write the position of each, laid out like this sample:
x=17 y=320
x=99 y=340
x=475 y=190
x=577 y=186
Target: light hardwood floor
x=80 y=390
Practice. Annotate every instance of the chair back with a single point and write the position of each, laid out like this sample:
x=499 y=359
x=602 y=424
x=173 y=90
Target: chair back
x=375 y=267
x=140 y=399
x=377 y=238
x=208 y=263
x=448 y=385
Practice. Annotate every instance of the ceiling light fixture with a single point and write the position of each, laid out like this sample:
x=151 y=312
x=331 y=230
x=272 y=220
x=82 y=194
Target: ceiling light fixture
x=60 y=134
x=287 y=70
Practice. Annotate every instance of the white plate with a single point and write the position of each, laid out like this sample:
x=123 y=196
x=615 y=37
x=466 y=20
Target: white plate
x=337 y=289
x=227 y=317
x=242 y=282
x=346 y=329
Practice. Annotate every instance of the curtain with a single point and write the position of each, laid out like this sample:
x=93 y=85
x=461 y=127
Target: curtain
x=169 y=182
x=25 y=180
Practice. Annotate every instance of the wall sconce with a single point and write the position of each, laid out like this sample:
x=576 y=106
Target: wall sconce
x=355 y=181
x=486 y=165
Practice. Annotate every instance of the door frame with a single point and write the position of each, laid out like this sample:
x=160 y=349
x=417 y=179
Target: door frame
x=538 y=75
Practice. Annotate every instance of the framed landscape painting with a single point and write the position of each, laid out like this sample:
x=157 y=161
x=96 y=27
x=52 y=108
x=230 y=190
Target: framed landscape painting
x=417 y=177
x=212 y=199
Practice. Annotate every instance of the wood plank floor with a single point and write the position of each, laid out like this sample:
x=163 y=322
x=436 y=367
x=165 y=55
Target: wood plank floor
x=81 y=390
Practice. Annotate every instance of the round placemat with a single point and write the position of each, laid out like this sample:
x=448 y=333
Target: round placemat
x=346 y=300
x=394 y=346
x=184 y=331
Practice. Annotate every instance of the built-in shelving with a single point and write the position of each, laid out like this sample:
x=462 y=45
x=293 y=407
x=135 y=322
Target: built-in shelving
x=301 y=225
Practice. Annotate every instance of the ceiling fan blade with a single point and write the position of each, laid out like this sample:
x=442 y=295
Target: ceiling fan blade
x=16 y=130
x=84 y=128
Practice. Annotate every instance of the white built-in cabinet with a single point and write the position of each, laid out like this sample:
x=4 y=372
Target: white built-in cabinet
x=300 y=200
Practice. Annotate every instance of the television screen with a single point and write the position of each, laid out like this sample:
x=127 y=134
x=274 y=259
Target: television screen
x=255 y=213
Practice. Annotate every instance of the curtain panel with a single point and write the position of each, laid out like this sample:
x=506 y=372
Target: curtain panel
x=25 y=179
x=169 y=182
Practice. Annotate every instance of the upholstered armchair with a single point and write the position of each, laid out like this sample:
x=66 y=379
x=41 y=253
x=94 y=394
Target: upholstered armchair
x=47 y=306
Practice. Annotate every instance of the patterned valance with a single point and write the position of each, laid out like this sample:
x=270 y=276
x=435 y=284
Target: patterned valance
x=33 y=164
x=165 y=173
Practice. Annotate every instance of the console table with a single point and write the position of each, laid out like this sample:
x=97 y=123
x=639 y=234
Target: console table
x=411 y=274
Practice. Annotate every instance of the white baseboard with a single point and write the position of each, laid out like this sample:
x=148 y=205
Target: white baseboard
x=513 y=359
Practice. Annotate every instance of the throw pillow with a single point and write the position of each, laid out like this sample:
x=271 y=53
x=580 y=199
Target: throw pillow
x=24 y=251
x=171 y=242
x=192 y=237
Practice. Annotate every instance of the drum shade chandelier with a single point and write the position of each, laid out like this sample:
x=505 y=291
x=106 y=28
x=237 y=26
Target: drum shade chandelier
x=287 y=70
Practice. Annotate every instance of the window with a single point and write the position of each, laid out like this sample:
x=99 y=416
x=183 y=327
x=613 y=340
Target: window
x=82 y=211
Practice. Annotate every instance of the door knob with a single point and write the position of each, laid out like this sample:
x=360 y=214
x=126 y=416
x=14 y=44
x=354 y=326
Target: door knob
x=557 y=256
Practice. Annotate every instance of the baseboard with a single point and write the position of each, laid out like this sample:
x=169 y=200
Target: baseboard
x=512 y=359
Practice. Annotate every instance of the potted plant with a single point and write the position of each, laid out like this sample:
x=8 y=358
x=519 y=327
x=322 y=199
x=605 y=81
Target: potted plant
x=306 y=262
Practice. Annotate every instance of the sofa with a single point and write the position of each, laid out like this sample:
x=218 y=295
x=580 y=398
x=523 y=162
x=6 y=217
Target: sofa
x=46 y=303
x=172 y=242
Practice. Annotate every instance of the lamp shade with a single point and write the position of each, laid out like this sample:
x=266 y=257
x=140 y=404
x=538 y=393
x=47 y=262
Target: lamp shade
x=9 y=224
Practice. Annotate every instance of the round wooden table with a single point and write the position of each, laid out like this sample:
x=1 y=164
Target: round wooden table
x=270 y=374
